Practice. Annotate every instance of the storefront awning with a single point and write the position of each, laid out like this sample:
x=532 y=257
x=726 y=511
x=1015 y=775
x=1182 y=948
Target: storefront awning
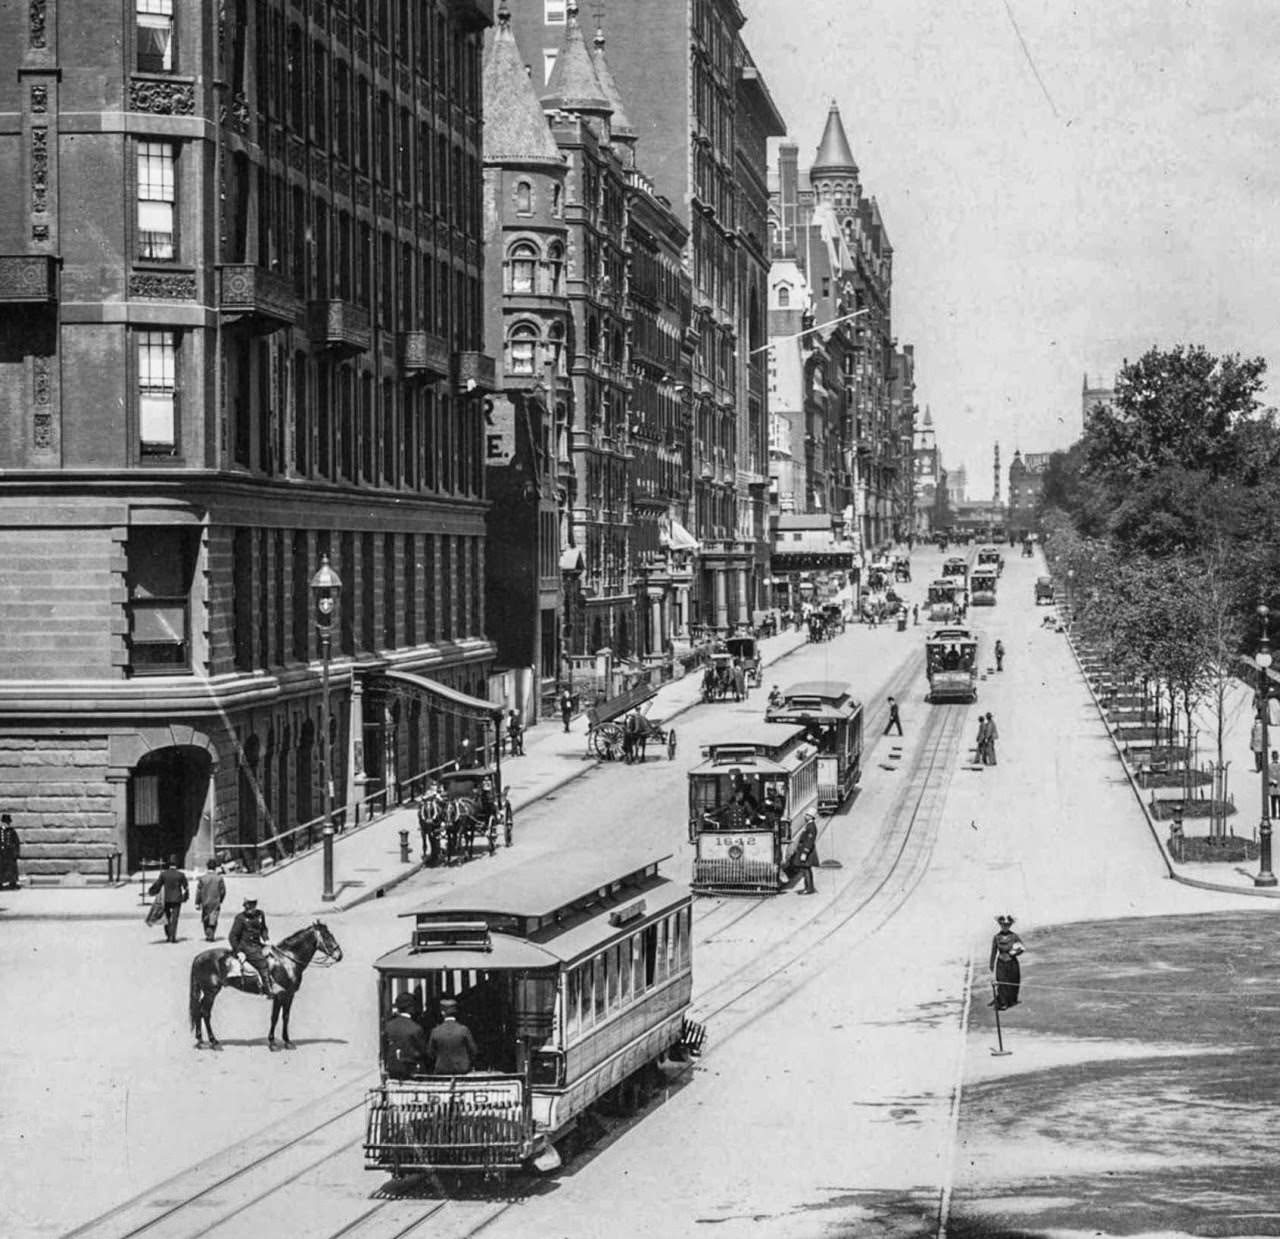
x=450 y=699
x=680 y=539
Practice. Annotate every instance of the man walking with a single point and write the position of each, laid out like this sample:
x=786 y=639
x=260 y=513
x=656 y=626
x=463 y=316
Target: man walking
x=249 y=938
x=805 y=857
x=1273 y=784
x=566 y=707
x=173 y=890
x=895 y=719
x=211 y=890
x=10 y=851
x=992 y=736
x=515 y=733
x=915 y=615
x=999 y=654
x=981 y=743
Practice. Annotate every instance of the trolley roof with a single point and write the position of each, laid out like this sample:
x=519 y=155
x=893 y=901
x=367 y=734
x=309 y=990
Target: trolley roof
x=758 y=747
x=813 y=699
x=538 y=888
x=951 y=636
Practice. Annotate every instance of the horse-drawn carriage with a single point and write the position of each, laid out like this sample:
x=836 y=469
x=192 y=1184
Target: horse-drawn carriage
x=609 y=727
x=747 y=654
x=459 y=806
x=723 y=678
x=833 y=617
x=765 y=623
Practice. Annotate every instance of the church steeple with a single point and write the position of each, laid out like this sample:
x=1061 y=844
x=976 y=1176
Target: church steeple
x=574 y=85
x=834 y=153
x=515 y=126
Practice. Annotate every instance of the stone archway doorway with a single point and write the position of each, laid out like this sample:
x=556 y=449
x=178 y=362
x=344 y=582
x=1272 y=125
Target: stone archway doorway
x=167 y=792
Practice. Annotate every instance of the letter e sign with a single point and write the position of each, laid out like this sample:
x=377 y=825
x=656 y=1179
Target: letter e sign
x=499 y=431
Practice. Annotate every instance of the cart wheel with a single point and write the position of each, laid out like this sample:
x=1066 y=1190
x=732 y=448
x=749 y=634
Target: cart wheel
x=508 y=823
x=671 y=744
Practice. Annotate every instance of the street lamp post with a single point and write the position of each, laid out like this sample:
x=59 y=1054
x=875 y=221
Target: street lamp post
x=1263 y=658
x=325 y=588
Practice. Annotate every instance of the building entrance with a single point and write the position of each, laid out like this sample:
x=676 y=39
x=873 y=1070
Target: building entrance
x=167 y=792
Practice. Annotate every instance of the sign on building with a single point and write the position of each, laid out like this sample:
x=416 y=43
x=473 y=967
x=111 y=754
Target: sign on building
x=499 y=430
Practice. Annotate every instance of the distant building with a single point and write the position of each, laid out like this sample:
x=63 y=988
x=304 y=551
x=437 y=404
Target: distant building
x=1026 y=483
x=957 y=486
x=928 y=475
x=1092 y=397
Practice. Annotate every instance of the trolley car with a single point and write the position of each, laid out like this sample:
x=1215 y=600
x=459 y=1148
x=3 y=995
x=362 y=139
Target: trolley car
x=951 y=660
x=834 y=722
x=747 y=801
x=941 y=600
x=982 y=586
x=955 y=567
x=573 y=973
x=990 y=557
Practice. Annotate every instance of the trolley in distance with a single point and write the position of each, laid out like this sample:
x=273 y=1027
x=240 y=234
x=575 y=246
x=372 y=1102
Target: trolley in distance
x=573 y=973
x=951 y=662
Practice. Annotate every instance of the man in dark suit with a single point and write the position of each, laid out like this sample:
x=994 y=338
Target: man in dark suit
x=805 y=857
x=451 y=1049
x=172 y=887
x=404 y=1043
x=10 y=850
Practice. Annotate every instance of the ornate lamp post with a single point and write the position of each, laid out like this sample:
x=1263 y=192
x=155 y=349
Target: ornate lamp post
x=1264 y=875
x=326 y=585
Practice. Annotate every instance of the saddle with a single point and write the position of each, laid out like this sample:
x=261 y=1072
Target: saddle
x=245 y=976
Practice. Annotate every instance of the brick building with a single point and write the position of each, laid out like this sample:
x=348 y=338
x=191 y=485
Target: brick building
x=1026 y=484
x=240 y=284
x=703 y=115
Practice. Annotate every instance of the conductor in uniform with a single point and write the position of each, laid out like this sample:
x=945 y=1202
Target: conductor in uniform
x=805 y=856
x=451 y=1049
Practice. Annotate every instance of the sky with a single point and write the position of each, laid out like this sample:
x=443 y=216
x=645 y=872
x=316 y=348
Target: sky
x=1047 y=226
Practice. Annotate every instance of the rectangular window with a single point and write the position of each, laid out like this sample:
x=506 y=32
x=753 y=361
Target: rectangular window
x=159 y=572
x=154 y=30
x=573 y=995
x=549 y=55
x=158 y=392
x=155 y=201
x=600 y=985
x=555 y=12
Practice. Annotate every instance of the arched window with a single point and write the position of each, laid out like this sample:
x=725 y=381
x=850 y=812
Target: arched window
x=522 y=262
x=555 y=268
x=784 y=296
x=524 y=198
x=555 y=347
x=522 y=346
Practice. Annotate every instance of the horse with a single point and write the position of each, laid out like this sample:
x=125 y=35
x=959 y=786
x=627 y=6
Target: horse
x=433 y=818
x=289 y=960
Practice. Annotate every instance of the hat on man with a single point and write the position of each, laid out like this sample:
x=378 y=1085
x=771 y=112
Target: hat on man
x=5 y=818
x=448 y=1006
x=1004 y=920
x=405 y=1002
x=810 y=816
x=250 y=901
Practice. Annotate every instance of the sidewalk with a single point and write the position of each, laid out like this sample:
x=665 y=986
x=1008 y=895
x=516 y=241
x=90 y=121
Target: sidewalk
x=366 y=861
x=1233 y=878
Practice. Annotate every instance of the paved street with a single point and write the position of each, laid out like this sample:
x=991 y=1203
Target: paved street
x=843 y=1048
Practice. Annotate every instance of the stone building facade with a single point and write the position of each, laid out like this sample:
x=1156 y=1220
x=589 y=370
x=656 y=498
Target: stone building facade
x=240 y=281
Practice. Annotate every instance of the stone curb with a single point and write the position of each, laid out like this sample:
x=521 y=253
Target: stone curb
x=1198 y=883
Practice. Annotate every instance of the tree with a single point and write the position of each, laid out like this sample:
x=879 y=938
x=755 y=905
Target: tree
x=1181 y=408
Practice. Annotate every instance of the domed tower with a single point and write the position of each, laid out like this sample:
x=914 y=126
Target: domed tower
x=834 y=175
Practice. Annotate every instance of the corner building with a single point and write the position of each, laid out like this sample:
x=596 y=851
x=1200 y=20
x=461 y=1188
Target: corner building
x=240 y=292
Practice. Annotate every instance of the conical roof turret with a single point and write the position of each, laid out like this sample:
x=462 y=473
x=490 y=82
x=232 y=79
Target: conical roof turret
x=515 y=126
x=574 y=85
x=834 y=153
x=619 y=125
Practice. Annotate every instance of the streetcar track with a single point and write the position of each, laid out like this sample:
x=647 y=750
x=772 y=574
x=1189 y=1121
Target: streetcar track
x=937 y=742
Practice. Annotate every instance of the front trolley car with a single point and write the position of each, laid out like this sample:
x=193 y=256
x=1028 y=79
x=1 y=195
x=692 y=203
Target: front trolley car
x=941 y=600
x=951 y=660
x=743 y=843
x=573 y=973
x=833 y=720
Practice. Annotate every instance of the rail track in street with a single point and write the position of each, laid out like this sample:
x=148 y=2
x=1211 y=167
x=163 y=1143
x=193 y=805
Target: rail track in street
x=320 y=1169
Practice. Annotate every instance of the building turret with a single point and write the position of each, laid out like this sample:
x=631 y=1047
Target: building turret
x=574 y=85
x=834 y=174
x=621 y=129
x=515 y=126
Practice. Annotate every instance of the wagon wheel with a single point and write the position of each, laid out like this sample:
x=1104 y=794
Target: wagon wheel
x=606 y=740
x=508 y=823
x=671 y=744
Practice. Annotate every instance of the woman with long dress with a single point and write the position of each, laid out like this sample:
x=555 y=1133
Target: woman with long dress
x=1006 y=946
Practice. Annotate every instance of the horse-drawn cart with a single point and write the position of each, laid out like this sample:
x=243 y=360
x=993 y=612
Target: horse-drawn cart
x=747 y=654
x=607 y=726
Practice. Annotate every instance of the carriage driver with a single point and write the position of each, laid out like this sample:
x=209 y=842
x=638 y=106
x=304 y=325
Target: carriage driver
x=248 y=939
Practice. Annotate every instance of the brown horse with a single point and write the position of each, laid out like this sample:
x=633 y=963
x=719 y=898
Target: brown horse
x=289 y=960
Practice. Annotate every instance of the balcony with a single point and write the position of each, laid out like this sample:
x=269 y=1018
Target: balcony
x=423 y=355
x=339 y=325
x=258 y=295
x=473 y=372
x=28 y=279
